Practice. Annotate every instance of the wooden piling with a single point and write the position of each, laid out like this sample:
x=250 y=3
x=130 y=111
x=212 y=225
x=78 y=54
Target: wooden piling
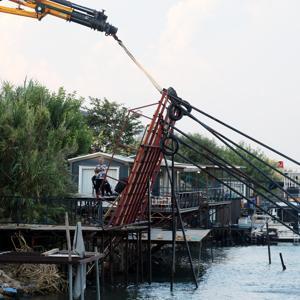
x=141 y=256
x=97 y=276
x=111 y=261
x=70 y=271
x=126 y=259
x=137 y=259
x=282 y=262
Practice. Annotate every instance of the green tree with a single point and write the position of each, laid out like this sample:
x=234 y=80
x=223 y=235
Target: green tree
x=113 y=127
x=198 y=156
x=39 y=130
x=234 y=158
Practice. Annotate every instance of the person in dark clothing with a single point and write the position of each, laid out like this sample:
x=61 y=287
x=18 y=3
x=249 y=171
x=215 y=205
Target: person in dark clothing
x=107 y=188
x=98 y=183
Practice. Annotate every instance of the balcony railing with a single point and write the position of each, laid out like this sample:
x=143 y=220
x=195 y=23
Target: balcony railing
x=50 y=211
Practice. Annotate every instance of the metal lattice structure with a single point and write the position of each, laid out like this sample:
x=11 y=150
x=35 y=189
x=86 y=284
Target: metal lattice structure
x=133 y=200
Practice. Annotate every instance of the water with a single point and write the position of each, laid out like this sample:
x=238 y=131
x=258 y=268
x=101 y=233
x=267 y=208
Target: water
x=236 y=273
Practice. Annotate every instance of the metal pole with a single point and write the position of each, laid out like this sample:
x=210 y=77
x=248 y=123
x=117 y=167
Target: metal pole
x=268 y=241
x=186 y=244
x=173 y=225
x=149 y=233
x=182 y=228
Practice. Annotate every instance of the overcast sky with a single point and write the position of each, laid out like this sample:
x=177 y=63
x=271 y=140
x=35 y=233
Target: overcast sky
x=236 y=59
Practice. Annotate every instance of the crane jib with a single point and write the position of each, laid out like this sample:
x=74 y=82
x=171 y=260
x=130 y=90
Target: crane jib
x=63 y=9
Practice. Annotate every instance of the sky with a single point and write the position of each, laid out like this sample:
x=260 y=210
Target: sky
x=237 y=60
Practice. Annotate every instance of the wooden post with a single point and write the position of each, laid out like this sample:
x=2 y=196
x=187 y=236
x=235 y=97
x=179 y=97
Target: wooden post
x=81 y=282
x=126 y=258
x=199 y=258
x=70 y=272
x=282 y=263
x=102 y=263
x=141 y=256
x=111 y=264
x=137 y=258
x=211 y=249
x=97 y=276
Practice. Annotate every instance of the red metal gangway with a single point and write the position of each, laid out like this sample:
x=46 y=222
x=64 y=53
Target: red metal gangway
x=133 y=200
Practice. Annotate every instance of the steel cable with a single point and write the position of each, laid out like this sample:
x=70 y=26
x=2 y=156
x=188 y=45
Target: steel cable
x=131 y=56
x=237 y=192
x=222 y=138
x=244 y=175
x=248 y=152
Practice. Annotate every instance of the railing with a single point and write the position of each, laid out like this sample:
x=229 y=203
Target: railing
x=50 y=211
x=185 y=200
x=220 y=194
x=191 y=198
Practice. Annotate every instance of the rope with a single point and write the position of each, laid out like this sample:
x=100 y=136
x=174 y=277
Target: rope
x=149 y=76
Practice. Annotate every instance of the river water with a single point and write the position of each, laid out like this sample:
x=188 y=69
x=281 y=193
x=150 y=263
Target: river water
x=237 y=273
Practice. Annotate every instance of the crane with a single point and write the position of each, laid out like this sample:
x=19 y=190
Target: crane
x=132 y=203
x=66 y=10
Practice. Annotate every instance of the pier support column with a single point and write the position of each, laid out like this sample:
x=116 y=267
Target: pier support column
x=70 y=281
x=97 y=276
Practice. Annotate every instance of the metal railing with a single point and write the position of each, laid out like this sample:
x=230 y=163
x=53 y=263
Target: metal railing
x=186 y=200
x=192 y=197
x=50 y=211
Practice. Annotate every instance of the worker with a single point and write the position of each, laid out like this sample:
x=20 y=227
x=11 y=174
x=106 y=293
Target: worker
x=96 y=183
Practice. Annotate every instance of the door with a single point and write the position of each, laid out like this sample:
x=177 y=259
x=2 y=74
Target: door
x=86 y=173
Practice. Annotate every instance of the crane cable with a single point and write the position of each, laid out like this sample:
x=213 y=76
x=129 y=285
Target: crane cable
x=149 y=76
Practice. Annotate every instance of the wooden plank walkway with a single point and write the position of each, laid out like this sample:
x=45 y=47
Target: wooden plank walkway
x=165 y=236
x=57 y=228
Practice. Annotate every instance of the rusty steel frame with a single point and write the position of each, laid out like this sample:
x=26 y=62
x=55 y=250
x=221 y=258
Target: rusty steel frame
x=133 y=200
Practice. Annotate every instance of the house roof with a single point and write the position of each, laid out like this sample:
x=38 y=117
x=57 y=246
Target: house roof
x=120 y=158
x=130 y=160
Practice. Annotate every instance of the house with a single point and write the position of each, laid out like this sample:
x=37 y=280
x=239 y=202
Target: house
x=82 y=170
x=187 y=177
x=292 y=186
x=193 y=185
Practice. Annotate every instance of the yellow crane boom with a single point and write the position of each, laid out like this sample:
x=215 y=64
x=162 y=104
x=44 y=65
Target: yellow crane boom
x=63 y=9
